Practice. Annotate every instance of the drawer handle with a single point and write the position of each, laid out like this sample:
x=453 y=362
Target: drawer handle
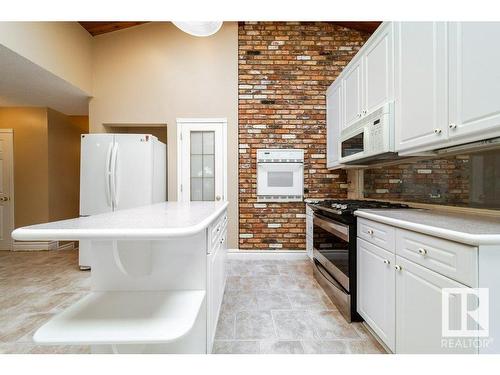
x=398 y=268
x=386 y=261
x=370 y=232
x=422 y=251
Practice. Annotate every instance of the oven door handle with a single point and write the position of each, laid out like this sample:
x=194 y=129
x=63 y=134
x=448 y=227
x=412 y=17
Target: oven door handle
x=328 y=277
x=339 y=230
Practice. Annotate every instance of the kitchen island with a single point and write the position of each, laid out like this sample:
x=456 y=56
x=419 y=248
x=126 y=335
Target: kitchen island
x=157 y=279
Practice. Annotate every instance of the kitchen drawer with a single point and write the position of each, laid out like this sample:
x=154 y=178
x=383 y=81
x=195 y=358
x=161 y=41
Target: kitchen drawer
x=215 y=230
x=376 y=233
x=457 y=261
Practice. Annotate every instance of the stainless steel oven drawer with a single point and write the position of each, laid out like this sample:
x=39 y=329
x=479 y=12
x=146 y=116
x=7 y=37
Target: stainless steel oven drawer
x=333 y=290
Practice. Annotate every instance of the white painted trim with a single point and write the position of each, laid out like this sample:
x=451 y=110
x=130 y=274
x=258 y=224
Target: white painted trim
x=41 y=246
x=35 y=245
x=67 y=246
x=195 y=120
x=217 y=120
x=11 y=187
x=235 y=254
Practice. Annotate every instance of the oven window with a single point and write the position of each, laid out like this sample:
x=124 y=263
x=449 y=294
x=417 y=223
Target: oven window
x=353 y=145
x=333 y=248
x=280 y=179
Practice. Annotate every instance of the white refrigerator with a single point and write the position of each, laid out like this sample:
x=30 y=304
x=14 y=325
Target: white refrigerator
x=119 y=171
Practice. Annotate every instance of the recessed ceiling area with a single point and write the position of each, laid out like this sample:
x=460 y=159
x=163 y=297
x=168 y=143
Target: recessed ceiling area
x=102 y=27
x=24 y=83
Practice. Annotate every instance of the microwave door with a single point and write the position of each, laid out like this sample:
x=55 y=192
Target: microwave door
x=280 y=179
x=354 y=146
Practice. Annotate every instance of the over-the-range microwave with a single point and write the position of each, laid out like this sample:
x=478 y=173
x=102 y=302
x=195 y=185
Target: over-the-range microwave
x=371 y=138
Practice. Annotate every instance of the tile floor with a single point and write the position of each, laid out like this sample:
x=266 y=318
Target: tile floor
x=276 y=306
x=268 y=307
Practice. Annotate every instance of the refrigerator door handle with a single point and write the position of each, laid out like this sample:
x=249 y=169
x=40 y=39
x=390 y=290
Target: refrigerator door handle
x=107 y=176
x=114 y=176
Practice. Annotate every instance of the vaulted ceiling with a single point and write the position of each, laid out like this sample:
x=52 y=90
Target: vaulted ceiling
x=102 y=27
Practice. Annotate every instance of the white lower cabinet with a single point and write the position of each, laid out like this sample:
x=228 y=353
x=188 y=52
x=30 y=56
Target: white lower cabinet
x=376 y=290
x=419 y=310
x=401 y=300
x=216 y=280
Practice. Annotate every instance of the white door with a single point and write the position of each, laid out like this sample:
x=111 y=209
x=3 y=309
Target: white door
x=333 y=122
x=421 y=85
x=378 y=70
x=376 y=290
x=202 y=164
x=418 y=310
x=132 y=171
x=7 y=190
x=474 y=80
x=351 y=86
x=95 y=167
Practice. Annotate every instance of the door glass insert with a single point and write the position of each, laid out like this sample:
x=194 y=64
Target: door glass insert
x=353 y=145
x=202 y=158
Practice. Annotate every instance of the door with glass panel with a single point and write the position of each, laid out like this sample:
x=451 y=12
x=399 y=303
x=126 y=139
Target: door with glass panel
x=201 y=164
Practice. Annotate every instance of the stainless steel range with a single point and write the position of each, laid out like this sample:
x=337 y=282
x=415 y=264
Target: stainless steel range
x=334 y=243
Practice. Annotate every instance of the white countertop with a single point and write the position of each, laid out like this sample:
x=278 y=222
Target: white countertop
x=156 y=221
x=465 y=228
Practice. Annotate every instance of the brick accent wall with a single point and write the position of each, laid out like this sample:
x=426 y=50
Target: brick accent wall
x=284 y=71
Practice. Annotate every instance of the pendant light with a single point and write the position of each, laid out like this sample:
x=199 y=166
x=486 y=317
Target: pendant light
x=199 y=28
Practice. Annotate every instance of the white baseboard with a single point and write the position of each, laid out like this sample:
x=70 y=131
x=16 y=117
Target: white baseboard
x=266 y=254
x=41 y=246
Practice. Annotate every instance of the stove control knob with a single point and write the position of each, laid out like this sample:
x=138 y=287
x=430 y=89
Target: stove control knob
x=343 y=206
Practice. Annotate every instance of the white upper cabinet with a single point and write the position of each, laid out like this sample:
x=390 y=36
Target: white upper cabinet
x=378 y=70
x=474 y=87
x=333 y=123
x=421 y=85
x=351 y=87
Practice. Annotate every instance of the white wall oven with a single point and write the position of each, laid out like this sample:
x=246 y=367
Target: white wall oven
x=280 y=175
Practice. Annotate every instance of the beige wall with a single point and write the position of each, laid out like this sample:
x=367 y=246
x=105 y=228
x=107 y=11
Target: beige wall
x=62 y=48
x=155 y=73
x=159 y=132
x=30 y=163
x=46 y=163
x=64 y=164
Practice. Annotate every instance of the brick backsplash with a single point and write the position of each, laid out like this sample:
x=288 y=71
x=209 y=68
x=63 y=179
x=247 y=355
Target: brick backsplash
x=284 y=71
x=468 y=180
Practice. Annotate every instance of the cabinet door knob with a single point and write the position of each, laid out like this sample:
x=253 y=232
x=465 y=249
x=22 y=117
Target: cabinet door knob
x=422 y=251
x=437 y=131
x=370 y=232
x=398 y=268
x=386 y=261
x=364 y=111
x=452 y=125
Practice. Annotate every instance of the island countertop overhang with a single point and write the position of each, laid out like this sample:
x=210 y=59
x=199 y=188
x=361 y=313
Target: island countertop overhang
x=153 y=222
